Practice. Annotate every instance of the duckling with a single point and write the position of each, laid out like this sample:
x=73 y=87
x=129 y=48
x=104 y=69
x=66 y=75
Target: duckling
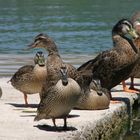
x=0 y=92
x=59 y=99
x=54 y=60
x=29 y=79
x=115 y=65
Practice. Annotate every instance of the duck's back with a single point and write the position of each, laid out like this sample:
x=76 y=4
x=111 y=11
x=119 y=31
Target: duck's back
x=114 y=65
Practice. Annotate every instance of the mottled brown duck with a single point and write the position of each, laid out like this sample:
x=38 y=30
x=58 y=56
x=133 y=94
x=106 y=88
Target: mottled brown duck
x=30 y=78
x=59 y=99
x=136 y=72
x=94 y=98
x=54 y=60
x=115 y=65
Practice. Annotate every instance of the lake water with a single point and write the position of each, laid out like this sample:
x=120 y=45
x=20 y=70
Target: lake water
x=80 y=28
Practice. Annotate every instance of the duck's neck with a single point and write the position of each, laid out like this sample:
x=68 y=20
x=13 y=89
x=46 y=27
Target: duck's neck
x=117 y=39
x=51 y=48
x=40 y=72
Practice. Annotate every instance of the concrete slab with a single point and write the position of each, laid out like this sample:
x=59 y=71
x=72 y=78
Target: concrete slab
x=16 y=120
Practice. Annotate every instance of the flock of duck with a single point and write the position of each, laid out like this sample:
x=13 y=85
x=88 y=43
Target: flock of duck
x=62 y=87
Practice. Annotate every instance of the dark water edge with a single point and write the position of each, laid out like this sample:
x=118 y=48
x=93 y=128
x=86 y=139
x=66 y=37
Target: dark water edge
x=130 y=127
x=133 y=132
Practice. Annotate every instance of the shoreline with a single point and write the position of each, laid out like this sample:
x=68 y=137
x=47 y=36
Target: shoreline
x=17 y=120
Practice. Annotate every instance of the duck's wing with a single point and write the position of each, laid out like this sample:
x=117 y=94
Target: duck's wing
x=71 y=70
x=22 y=72
x=87 y=65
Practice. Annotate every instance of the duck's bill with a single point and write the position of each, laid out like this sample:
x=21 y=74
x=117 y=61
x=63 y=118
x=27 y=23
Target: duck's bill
x=30 y=46
x=133 y=33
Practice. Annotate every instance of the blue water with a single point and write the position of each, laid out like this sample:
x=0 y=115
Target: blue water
x=80 y=28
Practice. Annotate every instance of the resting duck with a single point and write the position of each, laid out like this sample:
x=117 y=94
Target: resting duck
x=115 y=65
x=136 y=72
x=94 y=98
x=59 y=99
x=29 y=79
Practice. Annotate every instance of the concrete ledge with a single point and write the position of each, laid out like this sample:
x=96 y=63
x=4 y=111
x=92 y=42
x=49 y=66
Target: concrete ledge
x=17 y=121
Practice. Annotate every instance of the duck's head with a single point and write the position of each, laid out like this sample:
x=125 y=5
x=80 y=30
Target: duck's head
x=125 y=27
x=63 y=75
x=136 y=21
x=43 y=41
x=39 y=59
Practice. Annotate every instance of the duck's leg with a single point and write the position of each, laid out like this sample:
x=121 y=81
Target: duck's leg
x=53 y=120
x=132 y=85
x=25 y=99
x=113 y=101
x=126 y=89
x=65 y=123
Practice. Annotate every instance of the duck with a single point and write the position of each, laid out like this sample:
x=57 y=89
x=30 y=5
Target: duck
x=59 y=99
x=135 y=19
x=54 y=60
x=94 y=98
x=29 y=79
x=116 y=64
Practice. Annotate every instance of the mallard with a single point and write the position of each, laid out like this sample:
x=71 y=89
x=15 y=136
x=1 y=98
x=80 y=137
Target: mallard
x=59 y=99
x=136 y=21
x=136 y=72
x=54 y=60
x=94 y=98
x=30 y=78
x=115 y=65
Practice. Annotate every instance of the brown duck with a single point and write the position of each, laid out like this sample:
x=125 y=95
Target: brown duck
x=115 y=65
x=136 y=72
x=94 y=98
x=59 y=99
x=54 y=60
x=29 y=79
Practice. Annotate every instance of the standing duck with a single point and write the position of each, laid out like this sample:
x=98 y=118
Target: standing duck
x=54 y=60
x=29 y=79
x=136 y=72
x=115 y=65
x=59 y=99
